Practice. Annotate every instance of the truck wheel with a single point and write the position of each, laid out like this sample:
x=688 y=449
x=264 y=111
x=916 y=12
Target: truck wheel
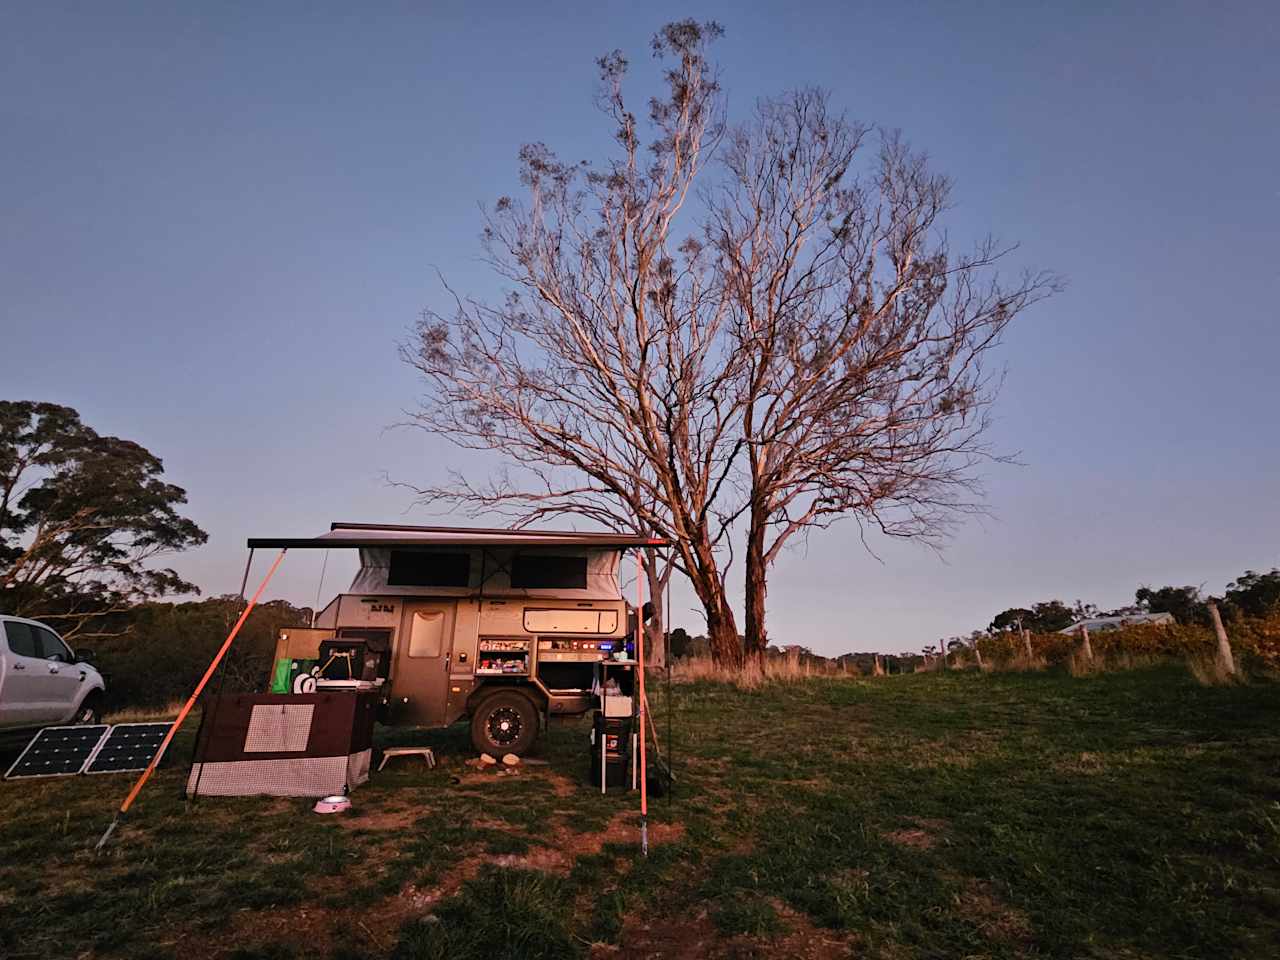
x=90 y=711
x=505 y=722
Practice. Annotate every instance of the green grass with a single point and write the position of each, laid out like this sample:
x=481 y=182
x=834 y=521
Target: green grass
x=1132 y=814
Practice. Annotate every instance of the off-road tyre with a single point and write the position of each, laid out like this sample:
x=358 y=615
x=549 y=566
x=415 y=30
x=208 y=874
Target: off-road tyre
x=90 y=710
x=504 y=722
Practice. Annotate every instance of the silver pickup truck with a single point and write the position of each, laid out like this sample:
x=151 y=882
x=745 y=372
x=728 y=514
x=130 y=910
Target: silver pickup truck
x=42 y=681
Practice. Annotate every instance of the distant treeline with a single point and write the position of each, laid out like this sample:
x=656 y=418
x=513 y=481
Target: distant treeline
x=1255 y=639
x=169 y=646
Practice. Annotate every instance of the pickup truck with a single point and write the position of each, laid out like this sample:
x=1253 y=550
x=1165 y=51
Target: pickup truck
x=43 y=682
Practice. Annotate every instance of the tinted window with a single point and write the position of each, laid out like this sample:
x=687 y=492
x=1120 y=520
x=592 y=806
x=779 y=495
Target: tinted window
x=51 y=648
x=538 y=572
x=414 y=568
x=22 y=639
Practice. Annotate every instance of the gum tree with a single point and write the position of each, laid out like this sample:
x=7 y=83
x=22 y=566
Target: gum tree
x=603 y=374
x=864 y=385
x=82 y=517
x=725 y=333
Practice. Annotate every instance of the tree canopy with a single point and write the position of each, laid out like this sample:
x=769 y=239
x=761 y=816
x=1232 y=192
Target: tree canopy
x=1045 y=617
x=720 y=330
x=1184 y=603
x=1255 y=594
x=82 y=517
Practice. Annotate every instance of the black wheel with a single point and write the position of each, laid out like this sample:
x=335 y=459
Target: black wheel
x=505 y=722
x=90 y=711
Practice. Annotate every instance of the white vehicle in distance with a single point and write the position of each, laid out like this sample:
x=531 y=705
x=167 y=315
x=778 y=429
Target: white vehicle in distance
x=43 y=682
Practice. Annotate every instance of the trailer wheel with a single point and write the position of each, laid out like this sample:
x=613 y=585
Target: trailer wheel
x=505 y=722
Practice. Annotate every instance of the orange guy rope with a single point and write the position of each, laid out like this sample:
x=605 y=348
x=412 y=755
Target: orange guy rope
x=644 y=770
x=186 y=709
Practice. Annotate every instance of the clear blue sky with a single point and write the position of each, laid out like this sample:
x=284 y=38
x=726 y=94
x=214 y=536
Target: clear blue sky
x=217 y=222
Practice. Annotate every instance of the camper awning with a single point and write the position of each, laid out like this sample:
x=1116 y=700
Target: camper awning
x=370 y=535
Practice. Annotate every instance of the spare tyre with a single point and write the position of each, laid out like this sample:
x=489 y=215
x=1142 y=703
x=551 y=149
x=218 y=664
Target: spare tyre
x=504 y=722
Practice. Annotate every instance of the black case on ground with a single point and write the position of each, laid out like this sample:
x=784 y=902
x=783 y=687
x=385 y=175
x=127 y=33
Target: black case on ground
x=617 y=734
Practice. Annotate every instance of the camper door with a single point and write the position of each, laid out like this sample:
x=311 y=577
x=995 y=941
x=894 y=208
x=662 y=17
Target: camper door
x=420 y=685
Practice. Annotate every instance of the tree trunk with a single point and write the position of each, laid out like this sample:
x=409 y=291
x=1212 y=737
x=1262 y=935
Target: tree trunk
x=722 y=635
x=877 y=669
x=1226 y=660
x=977 y=654
x=655 y=635
x=1085 y=647
x=755 y=637
x=722 y=627
x=1026 y=643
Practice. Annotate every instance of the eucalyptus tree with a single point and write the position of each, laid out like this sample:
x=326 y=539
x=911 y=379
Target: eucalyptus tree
x=722 y=333
x=83 y=517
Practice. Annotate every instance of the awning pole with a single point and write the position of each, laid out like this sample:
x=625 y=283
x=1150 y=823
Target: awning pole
x=186 y=708
x=644 y=770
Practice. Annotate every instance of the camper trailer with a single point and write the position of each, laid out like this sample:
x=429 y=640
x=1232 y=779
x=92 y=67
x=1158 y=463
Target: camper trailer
x=504 y=627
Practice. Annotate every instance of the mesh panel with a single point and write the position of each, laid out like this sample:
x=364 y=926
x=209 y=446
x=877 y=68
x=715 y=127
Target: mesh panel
x=285 y=745
x=301 y=777
x=279 y=728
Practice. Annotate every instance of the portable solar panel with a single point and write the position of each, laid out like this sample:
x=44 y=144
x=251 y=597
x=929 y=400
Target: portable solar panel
x=128 y=747
x=58 y=752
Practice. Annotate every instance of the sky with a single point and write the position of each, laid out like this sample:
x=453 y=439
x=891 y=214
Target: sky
x=218 y=221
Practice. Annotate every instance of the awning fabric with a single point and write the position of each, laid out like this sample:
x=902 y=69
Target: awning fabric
x=358 y=535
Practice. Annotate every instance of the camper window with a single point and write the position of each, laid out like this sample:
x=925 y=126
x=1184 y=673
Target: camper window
x=540 y=572
x=418 y=568
x=426 y=637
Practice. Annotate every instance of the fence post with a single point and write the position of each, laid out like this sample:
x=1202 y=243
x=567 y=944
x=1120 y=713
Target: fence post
x=1085 y=646
x=1225 y=658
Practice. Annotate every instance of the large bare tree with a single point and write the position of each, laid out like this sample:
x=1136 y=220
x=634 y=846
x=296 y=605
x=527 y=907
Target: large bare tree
x=863 y=388
x=717 y=334
x=604 y=374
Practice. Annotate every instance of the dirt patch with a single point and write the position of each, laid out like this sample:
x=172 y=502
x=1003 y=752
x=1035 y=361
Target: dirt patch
x=979 y=904
x=1085 y=763
x=670 y=938
x=921 y=835
x=312 y=926
x=562 y=785
x=376 y=818
x=564 y=847
x=378 y=926
x=695 y=937
x=914 y=838
x=803 y=939
x=539 y=858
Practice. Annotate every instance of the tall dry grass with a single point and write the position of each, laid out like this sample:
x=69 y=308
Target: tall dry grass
x=147 y=714
x=1256 y=640
x=752 y=675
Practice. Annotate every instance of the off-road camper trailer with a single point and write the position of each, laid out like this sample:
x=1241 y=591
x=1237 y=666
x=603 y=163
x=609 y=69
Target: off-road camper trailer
x=501 y=626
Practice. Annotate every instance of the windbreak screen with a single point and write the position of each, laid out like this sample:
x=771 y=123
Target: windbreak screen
x=532 y=571
x=420 y=568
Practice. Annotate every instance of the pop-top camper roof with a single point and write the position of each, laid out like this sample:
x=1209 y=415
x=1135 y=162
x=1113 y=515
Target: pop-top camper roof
x=394 y=535
x=400 y=560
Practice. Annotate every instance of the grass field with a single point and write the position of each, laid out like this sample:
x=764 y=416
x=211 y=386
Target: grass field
x=1131 y=815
